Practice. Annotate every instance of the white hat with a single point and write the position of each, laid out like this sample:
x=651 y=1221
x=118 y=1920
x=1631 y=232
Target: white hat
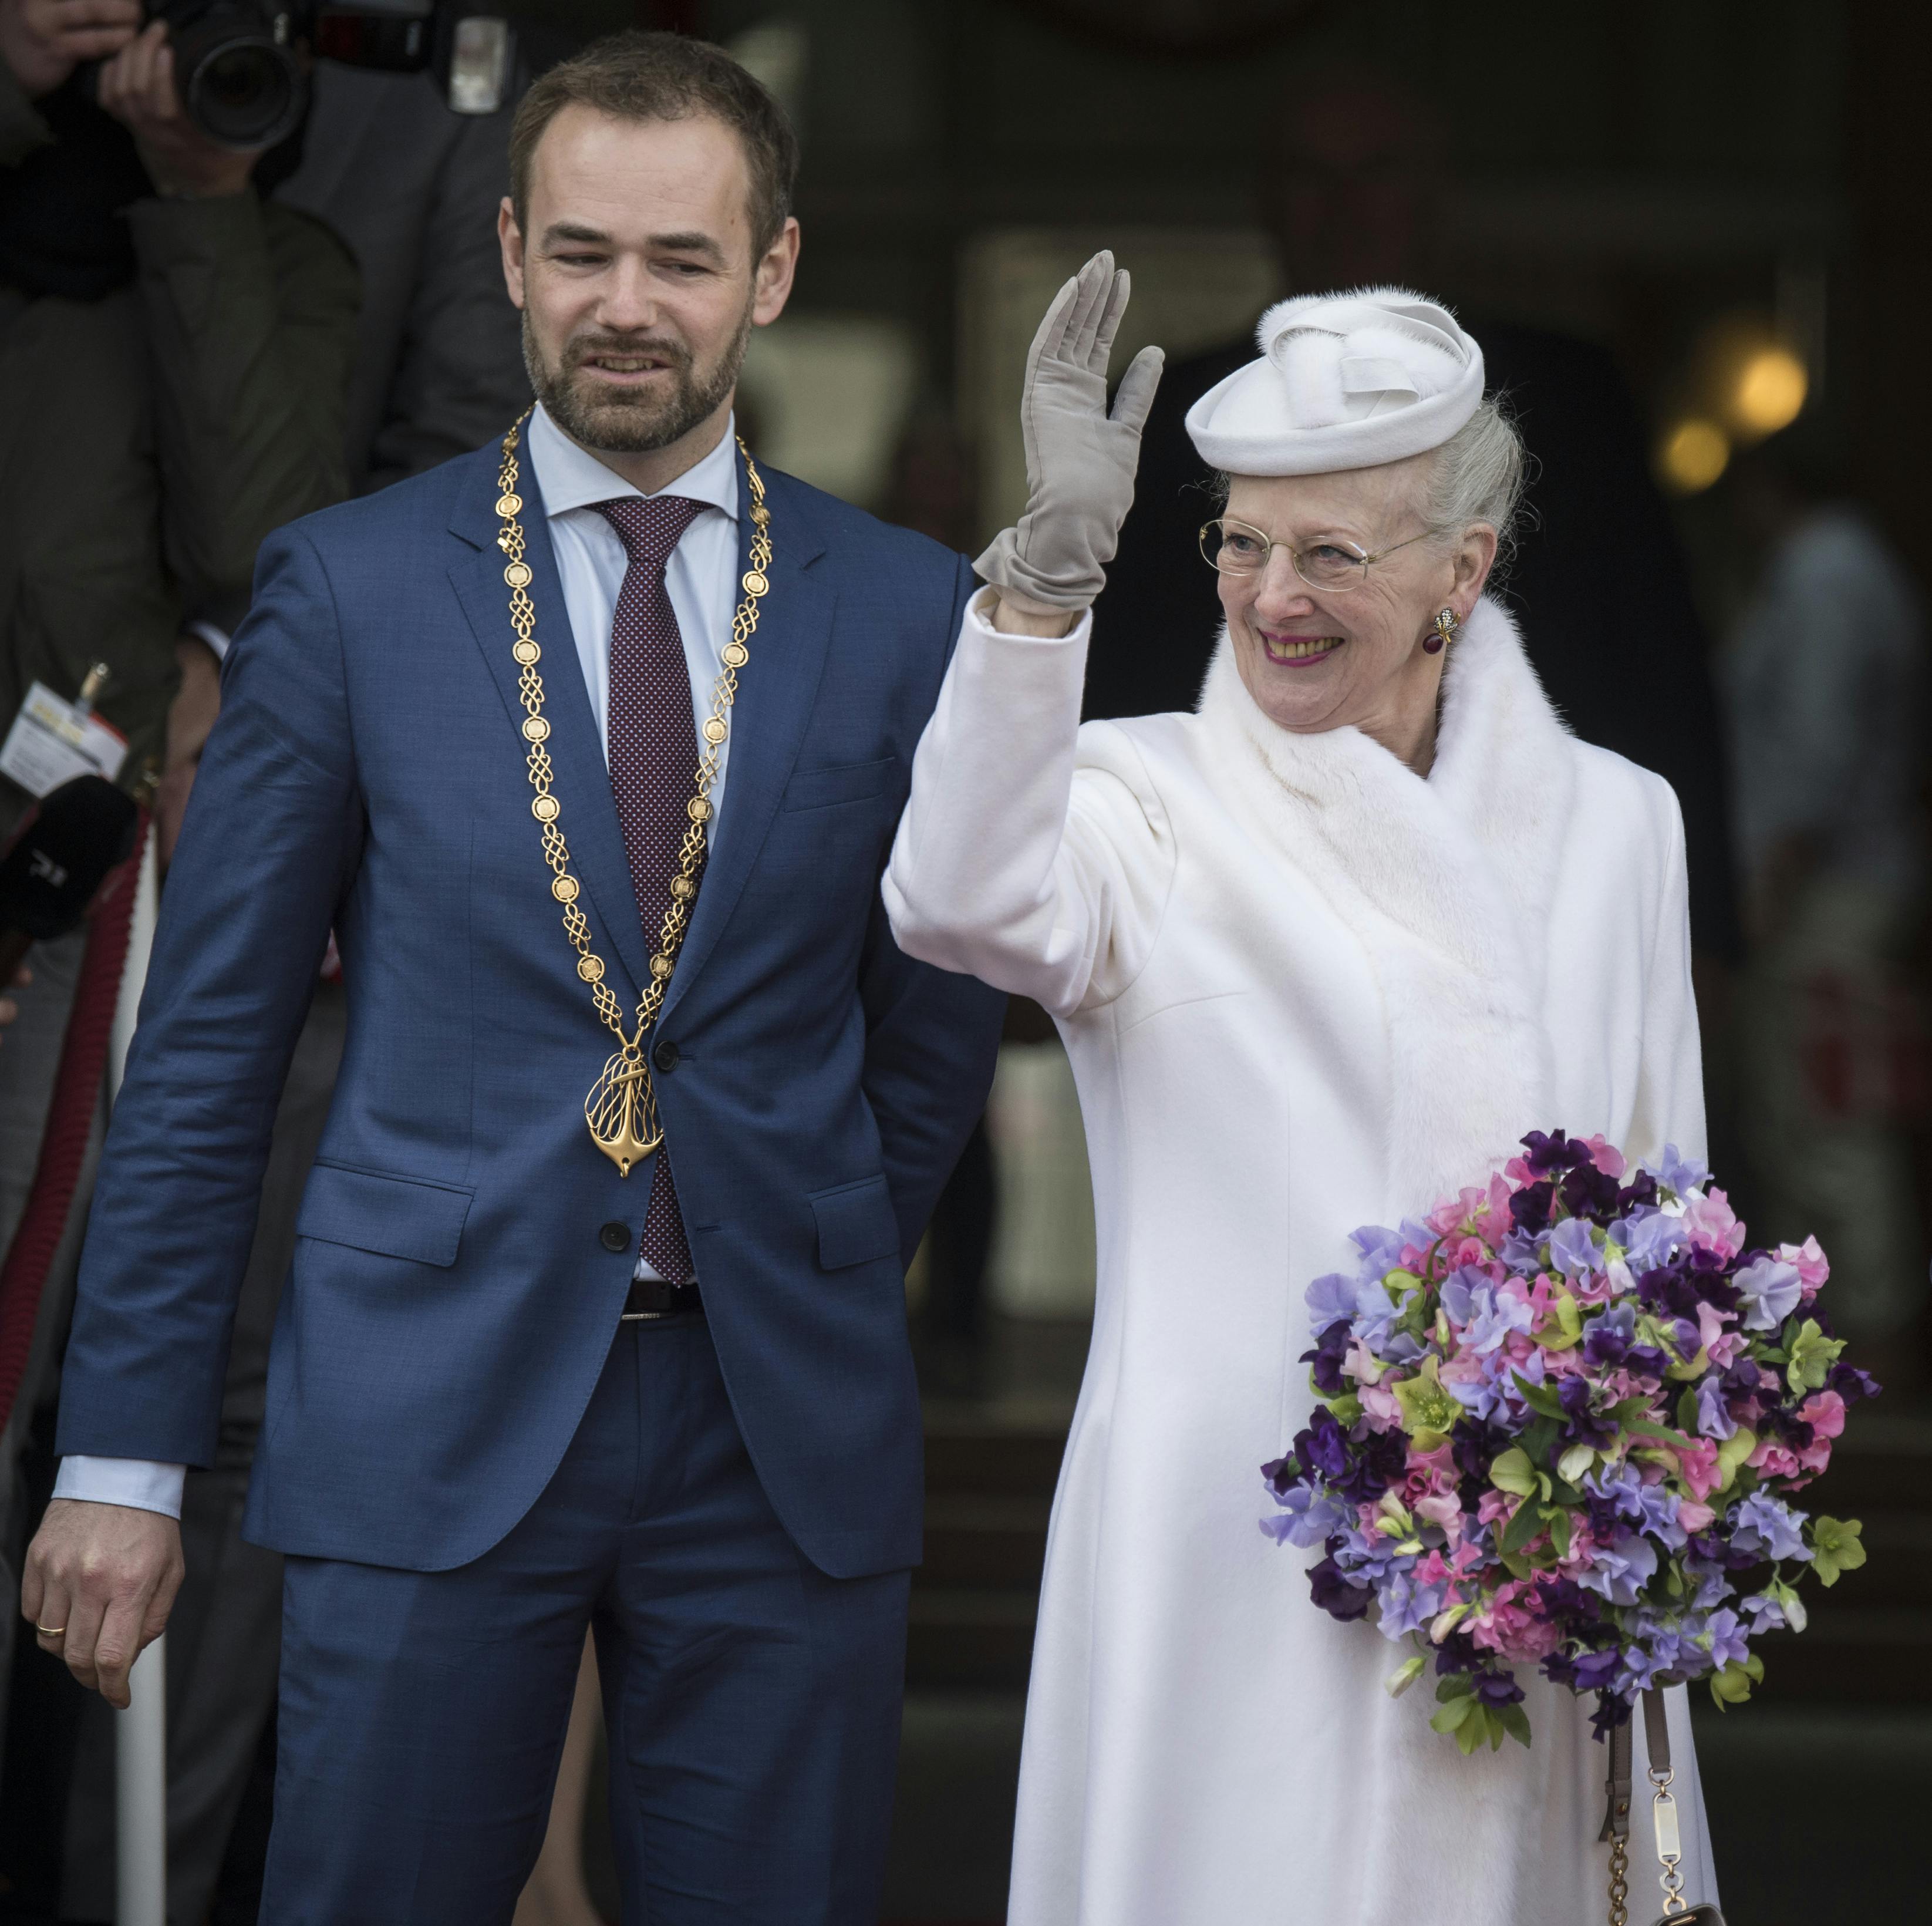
x=1345 y=381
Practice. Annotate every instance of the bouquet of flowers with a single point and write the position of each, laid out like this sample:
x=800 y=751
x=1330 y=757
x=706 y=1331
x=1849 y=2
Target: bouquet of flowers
x=1561 y=1423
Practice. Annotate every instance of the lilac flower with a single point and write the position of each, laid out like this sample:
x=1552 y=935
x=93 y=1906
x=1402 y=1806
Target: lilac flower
x=1639 y=1669
x=1724 y=1632
x=1650 y=1238
x=1771 y=1291
x=1713 y=1416
x=1571 y=1250
x=1408 y=1606
x=1622 y=1569
x=1492 y=1318
x=1764 y=1613
x=1378 y=1249
x=1330 y=1300
x=1680 y=1172
x=1307 y=1517
x=1521 y=1252
x=1767 y=1526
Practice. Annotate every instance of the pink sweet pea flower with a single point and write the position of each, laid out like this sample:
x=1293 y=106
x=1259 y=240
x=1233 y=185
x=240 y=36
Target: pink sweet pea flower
x=1713 y=1224
x=1443 y=1509
x=1698 y=1465
x=1695 y=1517
x=1824 y=1411
x=1607 y=1157
x=1381 y=1410
x=1773 y=1461
x=1494 y=1504
x=1722 y=1345
x=1810 y=1262
x=1361 y=1364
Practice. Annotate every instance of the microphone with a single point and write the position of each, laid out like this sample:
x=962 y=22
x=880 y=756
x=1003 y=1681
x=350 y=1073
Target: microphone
x=59 y=858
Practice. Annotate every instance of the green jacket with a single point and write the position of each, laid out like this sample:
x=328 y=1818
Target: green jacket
x=149 y=440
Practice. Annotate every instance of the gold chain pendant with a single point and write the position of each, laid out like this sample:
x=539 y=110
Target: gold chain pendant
x=622 y=1108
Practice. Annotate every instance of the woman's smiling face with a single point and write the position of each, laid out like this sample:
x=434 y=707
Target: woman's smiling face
x=1316 y=659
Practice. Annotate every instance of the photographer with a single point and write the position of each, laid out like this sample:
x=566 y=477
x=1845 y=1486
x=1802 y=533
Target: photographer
x=174 y=356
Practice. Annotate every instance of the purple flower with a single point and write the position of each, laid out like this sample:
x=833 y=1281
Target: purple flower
x=1307 y=1517
x=1765 y=1613
x=1571 y=1250
x=1588 y=1192
x=1726 y=1633
x=1584 y=1425
x=1331 y=1299
x=1622 y=1569
x=1766 y=1526
x=1529 y=1207
x=1552 y=1155
x=1326 y=1358
x=1378 y=1462
x=1639 y=1670
x=1334 y=1593
x=1771 y=1291
x=1713 y=1416
x=1408 y=1606
x=1608 y=1336
x=1682 y=1173
x=1323 y=1448
x=1582 y=1671
x=1650 y=1238
x=1497 y=1688
x=1851 y=1383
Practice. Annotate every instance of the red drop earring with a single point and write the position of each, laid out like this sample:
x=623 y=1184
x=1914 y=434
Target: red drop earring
x=1444 y=632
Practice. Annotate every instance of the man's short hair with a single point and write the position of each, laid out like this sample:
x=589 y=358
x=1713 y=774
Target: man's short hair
x=647 y=77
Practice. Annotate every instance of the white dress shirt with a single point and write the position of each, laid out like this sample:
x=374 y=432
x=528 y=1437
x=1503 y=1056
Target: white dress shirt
x=702 y=580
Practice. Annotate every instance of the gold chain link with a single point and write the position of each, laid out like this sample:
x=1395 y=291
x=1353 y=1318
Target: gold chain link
x=1619 y=1883
x=622 y=1108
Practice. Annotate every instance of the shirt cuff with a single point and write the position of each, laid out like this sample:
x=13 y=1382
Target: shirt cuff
x=137 y=1482
x=203 y=630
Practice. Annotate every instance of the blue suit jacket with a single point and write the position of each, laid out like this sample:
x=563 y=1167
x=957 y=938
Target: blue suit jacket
x=451 y=1302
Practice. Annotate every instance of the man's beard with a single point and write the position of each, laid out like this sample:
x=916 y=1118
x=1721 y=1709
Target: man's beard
x=620 y=420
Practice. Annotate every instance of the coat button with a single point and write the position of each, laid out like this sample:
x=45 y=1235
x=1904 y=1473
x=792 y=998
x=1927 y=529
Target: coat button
x=665 y=1056
x=615 y=1236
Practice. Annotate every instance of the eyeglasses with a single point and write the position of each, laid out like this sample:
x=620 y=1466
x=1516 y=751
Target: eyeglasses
x=1237 y=548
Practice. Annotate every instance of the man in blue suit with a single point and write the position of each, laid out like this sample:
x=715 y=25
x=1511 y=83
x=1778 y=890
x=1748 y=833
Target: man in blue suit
x=527 y=1376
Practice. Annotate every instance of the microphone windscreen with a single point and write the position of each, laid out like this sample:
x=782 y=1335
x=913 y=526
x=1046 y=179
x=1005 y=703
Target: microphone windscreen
x=62 y=855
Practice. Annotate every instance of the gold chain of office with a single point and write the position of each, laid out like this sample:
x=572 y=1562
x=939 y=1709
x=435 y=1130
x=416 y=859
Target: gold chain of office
x=622 y=1108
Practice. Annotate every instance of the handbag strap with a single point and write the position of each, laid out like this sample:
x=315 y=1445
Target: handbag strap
x=1617 y=1809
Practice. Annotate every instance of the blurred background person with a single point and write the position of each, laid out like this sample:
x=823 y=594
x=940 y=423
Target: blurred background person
x=1825 y=687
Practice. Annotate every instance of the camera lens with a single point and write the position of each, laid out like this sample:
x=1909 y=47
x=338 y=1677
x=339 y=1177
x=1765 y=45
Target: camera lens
x=240 y=86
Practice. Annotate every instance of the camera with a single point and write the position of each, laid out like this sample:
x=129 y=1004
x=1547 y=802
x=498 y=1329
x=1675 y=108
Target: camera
x=241 y=68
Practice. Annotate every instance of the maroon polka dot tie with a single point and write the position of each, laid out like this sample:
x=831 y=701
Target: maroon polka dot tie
x=653 y=744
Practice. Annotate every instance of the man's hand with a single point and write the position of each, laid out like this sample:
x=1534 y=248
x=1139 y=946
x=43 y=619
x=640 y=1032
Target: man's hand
x=100 y=1581
x=44 y=40
x=137 y=86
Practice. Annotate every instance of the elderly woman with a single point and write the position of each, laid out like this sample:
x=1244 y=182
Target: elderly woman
x=1320 y=951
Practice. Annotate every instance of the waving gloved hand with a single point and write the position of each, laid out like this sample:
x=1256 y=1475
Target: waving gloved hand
x=1080 y=460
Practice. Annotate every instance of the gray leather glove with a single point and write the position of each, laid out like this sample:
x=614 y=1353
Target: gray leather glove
x=1080 y=461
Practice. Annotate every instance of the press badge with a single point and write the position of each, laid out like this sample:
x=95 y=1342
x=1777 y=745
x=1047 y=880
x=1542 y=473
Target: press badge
x=53 y=740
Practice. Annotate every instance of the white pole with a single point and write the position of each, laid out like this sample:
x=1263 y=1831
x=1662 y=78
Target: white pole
x=140 y=1732
x=141 y=1794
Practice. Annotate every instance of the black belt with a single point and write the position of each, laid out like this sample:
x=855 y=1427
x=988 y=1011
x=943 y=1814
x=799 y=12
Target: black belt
x=652 y=1298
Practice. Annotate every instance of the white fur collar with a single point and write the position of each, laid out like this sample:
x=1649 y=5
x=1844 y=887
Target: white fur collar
x=1455 y=874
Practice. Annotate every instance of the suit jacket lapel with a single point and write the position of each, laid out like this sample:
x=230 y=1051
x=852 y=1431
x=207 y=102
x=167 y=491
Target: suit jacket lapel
x=582 y=780
x=776 y=689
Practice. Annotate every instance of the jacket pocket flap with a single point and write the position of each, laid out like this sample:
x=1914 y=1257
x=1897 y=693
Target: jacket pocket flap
x=842 y=782
x=395 y=1217
x=856 y=1223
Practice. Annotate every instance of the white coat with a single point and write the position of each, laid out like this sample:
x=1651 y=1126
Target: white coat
x=1302 y=989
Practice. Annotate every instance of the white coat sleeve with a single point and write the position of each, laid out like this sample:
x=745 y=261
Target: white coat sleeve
x=1033 y=853
x=1670 y=1092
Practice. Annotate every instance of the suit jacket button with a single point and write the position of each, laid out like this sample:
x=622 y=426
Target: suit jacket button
x=615 y=1236
x=665 y=1056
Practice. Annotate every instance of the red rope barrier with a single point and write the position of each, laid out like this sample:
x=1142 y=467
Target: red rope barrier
x=70 y=1118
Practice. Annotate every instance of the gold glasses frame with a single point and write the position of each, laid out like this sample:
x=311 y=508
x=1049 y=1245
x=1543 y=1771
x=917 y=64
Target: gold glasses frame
x=1341 y=579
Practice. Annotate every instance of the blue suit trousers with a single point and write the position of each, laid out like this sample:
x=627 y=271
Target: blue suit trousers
x=752 y=1703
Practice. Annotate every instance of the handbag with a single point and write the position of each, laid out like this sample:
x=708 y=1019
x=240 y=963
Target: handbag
x=1678 y=1911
